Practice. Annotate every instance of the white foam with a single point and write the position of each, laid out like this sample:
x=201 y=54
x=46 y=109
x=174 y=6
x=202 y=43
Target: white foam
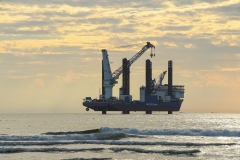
x=21 y=150
x=107 y=142
x=170 y=132
x=96 y=136
x=138 y=150
x=47 y=138
x=168 y=152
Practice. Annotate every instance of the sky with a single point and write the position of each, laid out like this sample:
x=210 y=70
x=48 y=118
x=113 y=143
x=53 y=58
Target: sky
x=50 y=51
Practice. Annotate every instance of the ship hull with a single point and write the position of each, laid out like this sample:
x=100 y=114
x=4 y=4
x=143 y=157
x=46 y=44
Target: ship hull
x=133 y=106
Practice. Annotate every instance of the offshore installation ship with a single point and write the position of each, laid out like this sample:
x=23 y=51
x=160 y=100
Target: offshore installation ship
x=153 y=97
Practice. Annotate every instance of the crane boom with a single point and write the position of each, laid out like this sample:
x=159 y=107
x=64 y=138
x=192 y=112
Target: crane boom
x=119 y=71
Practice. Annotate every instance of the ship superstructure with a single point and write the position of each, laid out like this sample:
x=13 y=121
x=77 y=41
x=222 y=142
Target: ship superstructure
x=154 y=96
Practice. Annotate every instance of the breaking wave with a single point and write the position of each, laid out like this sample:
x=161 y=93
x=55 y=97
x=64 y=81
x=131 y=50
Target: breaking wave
x=170 y=132
x=47 y=138
x=107 y=142
x=137 y=150
x=88 y=159
x=73 y=132
x=168 y=152
x=21 y=150
x=111 y=136
x=97 y=136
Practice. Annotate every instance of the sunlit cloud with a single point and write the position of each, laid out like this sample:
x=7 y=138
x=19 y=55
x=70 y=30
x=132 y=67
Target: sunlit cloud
x=11 y=71
x=231 y=69
x=213 y=79
x=20 y=77
x=39 y=63
x=71 y=76
x=41 y=75
x=170 y=44
x=87 y=59
x=75 y=23
x=188 y=46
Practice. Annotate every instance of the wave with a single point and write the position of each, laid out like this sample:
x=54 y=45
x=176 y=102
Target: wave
x=97 y=136
x=137 y=150
x=170 y=132
x=47 y=138
x=88 y=159
x=168 y=152
x=73 y=132
x=51 y=143
x=111 y=136
x=21 y=150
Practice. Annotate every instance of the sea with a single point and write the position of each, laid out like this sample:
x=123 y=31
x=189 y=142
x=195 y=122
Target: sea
x=137 y=136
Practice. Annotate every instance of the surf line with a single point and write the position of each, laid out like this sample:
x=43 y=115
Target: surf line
x=73 y=132
x=116 y=150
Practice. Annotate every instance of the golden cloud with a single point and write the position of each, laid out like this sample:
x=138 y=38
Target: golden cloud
x=170 y=44
x=70 y=76
x=188 y=46
x=94 y=28
x=20 y=77
x=41 y=75
x=231 y=69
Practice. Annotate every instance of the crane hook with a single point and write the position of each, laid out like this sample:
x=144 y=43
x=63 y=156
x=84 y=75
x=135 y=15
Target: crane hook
x=151 y=53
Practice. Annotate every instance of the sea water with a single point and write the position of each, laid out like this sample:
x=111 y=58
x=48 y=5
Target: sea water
x=137 y=136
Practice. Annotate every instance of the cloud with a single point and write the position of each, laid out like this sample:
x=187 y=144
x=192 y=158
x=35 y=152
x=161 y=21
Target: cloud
x=71 y=76
x=227 y=40
x=39 y=82
x=170 y=44
x=230 y=9
x=41 y=75
x=39 y=63
x=188 y=46
x=70 y=26
x=186 y=73
x=215 y=80
x=175 y=28
x=20 y=77
x=88 y=59
x=231 y=69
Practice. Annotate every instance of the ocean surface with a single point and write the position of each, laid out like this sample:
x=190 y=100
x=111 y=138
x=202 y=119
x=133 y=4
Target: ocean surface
x=184 y=136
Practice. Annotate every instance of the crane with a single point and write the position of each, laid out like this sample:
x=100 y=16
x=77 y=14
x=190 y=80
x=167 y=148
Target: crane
x=109 y=79
x=157 y=84
x=118 y=72
x=159 y=81
x=161 y=77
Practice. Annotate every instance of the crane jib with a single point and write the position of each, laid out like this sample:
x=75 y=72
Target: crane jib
x=119 y=71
